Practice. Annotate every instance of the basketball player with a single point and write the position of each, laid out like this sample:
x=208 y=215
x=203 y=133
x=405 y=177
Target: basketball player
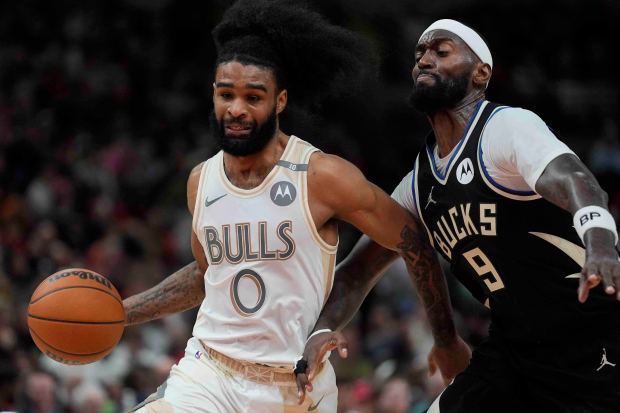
x=264 y=220
x=499 y=195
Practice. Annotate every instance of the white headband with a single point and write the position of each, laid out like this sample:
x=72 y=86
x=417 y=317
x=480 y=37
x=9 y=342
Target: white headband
x=469 y=36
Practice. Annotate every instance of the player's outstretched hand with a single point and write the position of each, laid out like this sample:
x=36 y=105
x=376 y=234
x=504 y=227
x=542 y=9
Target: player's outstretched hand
x=314 y=353
x=450 y=360
x=601 y=265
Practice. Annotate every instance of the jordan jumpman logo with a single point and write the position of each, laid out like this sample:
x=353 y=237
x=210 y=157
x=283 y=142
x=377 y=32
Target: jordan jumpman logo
x=604 y=361
x=430 y=198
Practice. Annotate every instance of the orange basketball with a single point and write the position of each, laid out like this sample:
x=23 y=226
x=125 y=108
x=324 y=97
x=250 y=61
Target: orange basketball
x=76 y=316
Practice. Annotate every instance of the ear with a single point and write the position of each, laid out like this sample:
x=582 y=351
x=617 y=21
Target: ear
x=213 y=90
x=281 y=101
x=482 y=75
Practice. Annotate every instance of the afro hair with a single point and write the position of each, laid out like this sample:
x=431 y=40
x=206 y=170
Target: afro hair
x=311 y=58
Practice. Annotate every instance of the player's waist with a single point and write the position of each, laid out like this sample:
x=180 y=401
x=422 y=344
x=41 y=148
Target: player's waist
x=256 y=372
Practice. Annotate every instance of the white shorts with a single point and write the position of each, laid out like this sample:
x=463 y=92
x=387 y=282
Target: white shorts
x=201 y=384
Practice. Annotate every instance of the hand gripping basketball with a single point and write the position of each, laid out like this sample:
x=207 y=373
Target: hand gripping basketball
x=76 y=316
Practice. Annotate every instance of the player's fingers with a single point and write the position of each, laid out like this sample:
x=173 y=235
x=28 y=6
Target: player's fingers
x=314 y=355
x=606 y=272
x=343 y=346
x=312 y=371
x=334 y=340
x=610 y=289
x=583 y=290
x=616 y=280
x=593 y=280
x=330 y=344
x=302 y=381
x=590 y=278
x=311 y=356
x=314 y=361
x=591 y=272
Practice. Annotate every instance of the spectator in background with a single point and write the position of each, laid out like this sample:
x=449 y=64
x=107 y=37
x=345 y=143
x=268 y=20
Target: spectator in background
x=40 y=394
x=395 y=396
x=89 y=397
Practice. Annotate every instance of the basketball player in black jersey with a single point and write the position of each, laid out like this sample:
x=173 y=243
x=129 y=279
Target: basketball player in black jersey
x=498 y=195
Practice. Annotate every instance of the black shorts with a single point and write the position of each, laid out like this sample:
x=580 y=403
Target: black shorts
x=496 y=381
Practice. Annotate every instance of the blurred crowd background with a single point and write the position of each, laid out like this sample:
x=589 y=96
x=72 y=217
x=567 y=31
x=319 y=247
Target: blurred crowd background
x=104 y=110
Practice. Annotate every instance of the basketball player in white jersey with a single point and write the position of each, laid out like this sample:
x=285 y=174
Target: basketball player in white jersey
x=524 y=226
x=264 y=220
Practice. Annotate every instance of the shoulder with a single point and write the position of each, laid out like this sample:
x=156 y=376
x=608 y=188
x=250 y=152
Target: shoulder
x=403 y=193
x=326 y=169
x=194 y=175
x=512 y=127
x=192 y=185
x=337 y=183
x=509 y=117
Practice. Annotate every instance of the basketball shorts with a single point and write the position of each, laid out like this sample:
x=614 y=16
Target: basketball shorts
x=495 y=382
x=205 y=381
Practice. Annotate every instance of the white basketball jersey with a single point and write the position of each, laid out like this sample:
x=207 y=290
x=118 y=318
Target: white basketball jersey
x=269 y=270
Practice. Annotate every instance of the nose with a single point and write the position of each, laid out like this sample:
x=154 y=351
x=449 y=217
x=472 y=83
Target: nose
x=237 y=108
x=426 y=60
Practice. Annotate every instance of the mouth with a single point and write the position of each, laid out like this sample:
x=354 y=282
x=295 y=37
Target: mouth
x=426 y=78
x=237 y=130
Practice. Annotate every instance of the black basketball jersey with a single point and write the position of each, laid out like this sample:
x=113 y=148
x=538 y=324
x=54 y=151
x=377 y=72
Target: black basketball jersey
x=516 y=252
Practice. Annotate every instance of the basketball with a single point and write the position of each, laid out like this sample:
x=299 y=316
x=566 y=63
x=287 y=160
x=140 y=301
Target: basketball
x=76 y=316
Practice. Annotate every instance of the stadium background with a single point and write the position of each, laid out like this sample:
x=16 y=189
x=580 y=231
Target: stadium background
x=103 y=112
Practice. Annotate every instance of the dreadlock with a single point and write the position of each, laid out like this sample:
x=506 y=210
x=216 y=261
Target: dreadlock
x=310 y=57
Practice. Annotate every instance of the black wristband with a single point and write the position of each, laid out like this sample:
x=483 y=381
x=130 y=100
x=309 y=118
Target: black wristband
x=301 y=366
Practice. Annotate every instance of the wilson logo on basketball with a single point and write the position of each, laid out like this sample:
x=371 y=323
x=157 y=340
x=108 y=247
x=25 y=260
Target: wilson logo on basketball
x=84 y=275
x=76 y=316
x=60 y=359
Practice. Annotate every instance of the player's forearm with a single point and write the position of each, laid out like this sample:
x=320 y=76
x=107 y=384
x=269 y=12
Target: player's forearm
x=354 y=279
x=182 y=290
x=568 y=184
x=430 y=283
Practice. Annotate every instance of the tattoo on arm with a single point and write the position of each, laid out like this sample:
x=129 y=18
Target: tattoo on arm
x=181 y=291
x=426 y=274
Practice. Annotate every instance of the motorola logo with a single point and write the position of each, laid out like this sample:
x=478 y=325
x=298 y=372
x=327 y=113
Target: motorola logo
x=283 y=193
x=465 y=171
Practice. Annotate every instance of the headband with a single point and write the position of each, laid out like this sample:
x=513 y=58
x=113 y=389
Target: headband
x=468 y=35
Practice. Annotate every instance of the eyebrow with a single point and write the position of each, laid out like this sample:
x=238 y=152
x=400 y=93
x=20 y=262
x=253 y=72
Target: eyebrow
x=434 y=42
x=258 y=86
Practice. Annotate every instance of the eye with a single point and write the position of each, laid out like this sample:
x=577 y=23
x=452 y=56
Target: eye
x=443 y=53
x=253 y=99
x=226 y=95
x=419 y=53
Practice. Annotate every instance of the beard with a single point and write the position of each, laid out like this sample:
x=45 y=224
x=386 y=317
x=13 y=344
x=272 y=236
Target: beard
x=258 y=138
x=446 y=93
